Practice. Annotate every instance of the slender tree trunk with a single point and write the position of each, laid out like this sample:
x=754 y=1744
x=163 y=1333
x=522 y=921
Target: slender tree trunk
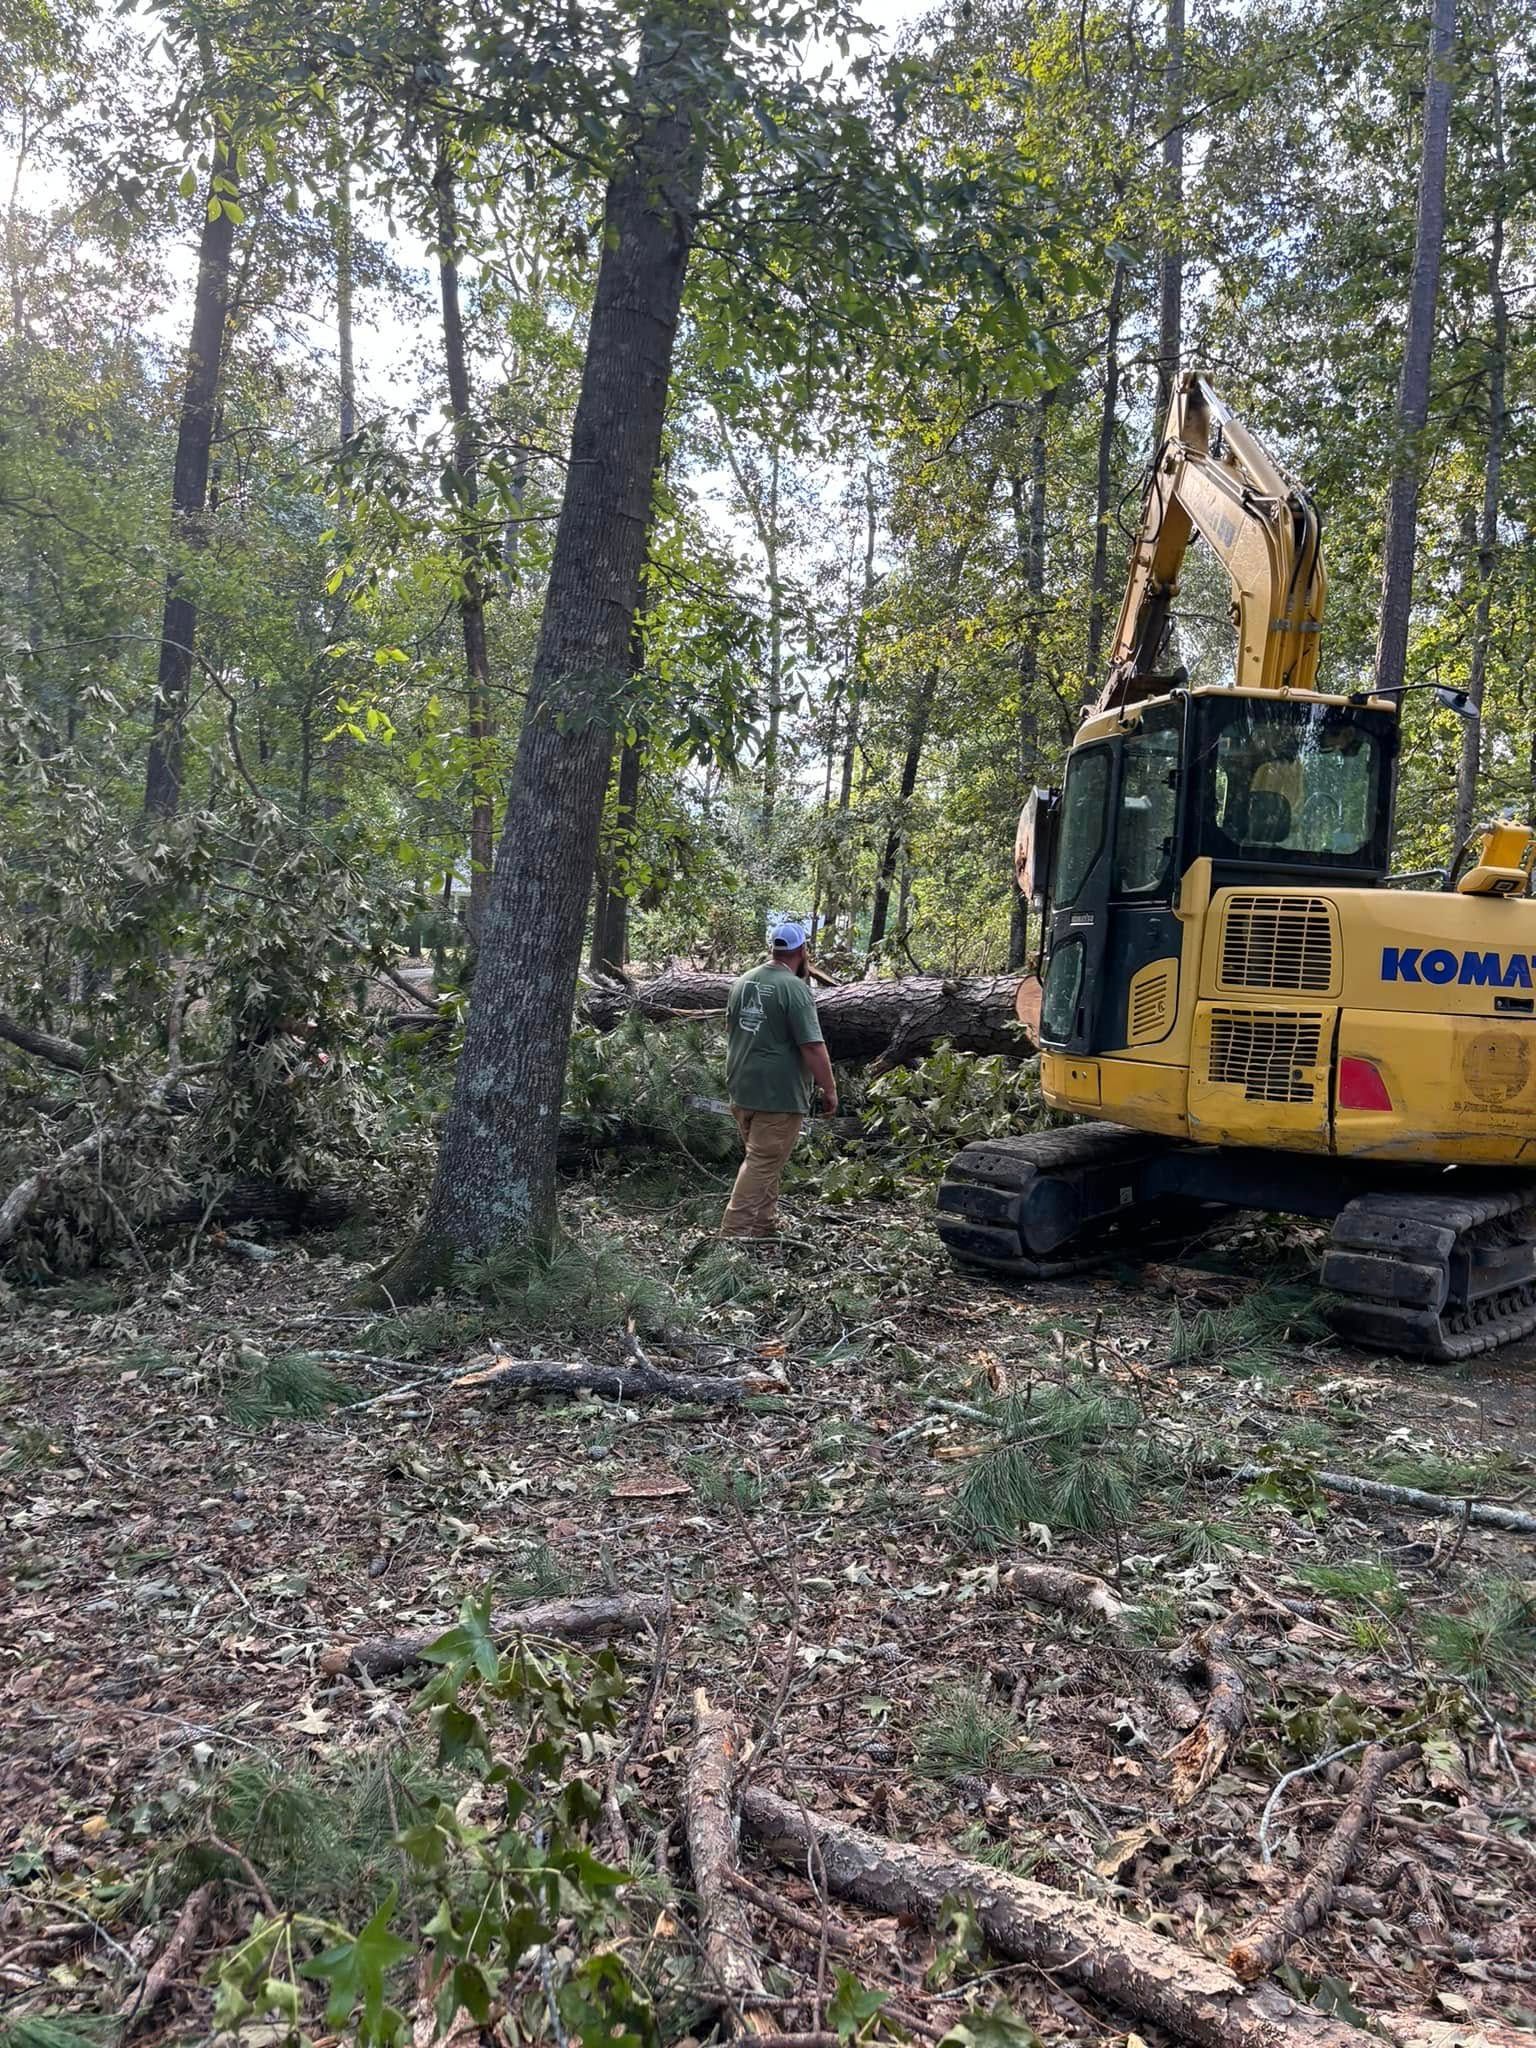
x=1099 y=577
x=890 y=853
x=1170 y=296
x=1029 y=648
x=189 y=489
x=775 y=647
x=1418 y=349
x=495 y=1184
x=346 y=373
x=610 y=922
x=860 y=641
x=1488 y=530
x=481 y=723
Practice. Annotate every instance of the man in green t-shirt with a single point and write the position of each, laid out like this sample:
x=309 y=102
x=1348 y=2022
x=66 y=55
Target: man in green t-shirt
x=775 y=1058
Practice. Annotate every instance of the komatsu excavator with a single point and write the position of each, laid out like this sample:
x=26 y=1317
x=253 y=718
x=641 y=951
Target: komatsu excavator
x=1231 y=991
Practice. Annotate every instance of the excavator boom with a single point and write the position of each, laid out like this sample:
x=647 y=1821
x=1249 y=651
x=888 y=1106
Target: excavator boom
x=1211 y=477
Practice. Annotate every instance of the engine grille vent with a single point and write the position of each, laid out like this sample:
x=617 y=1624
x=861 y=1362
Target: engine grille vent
x=1270 y=1054
x=1151 y=1009
x=1281 y=942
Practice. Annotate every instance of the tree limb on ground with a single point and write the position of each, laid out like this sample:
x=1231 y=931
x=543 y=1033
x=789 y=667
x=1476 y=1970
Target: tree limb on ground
x=1481 y=1513
x=1076 y=1592
x=603 y=1614
x=888 y=1021
x=640 y=1381
x=1199 y=1755
x=1255 y=1953
x=1143 y=1973
x=709 y=1797
x=190 y=1922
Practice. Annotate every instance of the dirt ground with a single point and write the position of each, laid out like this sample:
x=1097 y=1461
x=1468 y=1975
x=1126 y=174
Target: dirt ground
x=175 y=1576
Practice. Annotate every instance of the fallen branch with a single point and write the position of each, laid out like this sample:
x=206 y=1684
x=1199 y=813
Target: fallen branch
x=603 y=1614
x=190 y=1922
x=640 y=1381
x=1255 y=1953
x=836 y=1937
x=1076 y=1592
x=1484 y=1514
x=1199 y=1755
x=709 y=1788
x=1143 y=1973
x=43 y=1045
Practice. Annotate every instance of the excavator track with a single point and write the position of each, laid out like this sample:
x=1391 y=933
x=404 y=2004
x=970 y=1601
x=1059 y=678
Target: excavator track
x=1432 y=1275
x=1053 y=1203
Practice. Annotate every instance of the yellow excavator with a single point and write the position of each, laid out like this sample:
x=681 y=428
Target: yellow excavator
x=1232 y=990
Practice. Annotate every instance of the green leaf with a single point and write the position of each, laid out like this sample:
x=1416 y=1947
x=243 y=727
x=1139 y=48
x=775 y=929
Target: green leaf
x=999 y=2028
x=853 y=2006
x=355 y=1972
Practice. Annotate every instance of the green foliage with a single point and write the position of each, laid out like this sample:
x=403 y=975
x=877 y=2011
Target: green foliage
x=927 y=1111
x=485 y=1878
x=1493 y=1644
x=1365 y=1580
x=1248 y=1339
x=576 y=1284
x=295 y=1386
x=55 y=2030
x=637 y=1088
x=1069 y=1457
x=970 y=1733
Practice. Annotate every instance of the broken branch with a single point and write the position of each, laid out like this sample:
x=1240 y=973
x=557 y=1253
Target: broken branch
x=1076 y=1592
x=709 y=1793
x=1483 y=1514
x=604 y=1614
x=640 y=1381
x=1199 y=1755
x=1143 y=1973
x=190 y=1922
x=1256 y=1953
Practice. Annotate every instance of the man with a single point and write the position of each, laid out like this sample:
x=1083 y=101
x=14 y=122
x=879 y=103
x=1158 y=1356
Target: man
x=776 y=1056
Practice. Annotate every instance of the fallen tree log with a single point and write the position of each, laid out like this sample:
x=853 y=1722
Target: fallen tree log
x=1141 y=1972
x=603 y=1614
x=1255 y=1953
x=709 y=1799
x=251 y=1200
x=1051 y=1585
x=1482 y=1514
x=640 y=1381
x=1199 y=1755
x=889 y=1022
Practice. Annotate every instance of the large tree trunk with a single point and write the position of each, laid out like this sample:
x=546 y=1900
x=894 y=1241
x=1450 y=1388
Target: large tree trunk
x=1170 y=293
x=892 y=1021
x=495 y=1180
x=1099 y=576
x=1033 y=538
x=189 y=487
x=1418 y=348
x=481 y=724
x=1488 y=529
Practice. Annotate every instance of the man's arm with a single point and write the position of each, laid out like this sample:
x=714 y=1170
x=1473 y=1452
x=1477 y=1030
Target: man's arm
x=819 y=1066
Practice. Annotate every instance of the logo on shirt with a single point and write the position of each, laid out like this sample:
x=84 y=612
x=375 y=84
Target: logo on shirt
x=750 y=1016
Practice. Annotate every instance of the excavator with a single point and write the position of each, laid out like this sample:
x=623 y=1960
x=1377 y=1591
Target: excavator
x=1237 y=1002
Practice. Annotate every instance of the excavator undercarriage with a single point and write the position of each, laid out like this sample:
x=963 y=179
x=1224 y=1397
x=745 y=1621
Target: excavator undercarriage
x=1435 y=1265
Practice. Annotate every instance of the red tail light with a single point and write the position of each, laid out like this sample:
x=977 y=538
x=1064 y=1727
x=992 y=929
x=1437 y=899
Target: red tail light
x=1361 y=1086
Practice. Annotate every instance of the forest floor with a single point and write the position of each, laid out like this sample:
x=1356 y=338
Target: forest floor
x=183 y=1549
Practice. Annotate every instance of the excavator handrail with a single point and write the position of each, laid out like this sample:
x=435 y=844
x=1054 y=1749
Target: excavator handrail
x=1213 y=477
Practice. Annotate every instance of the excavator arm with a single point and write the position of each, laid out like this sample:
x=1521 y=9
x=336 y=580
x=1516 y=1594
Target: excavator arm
x=1212 y=477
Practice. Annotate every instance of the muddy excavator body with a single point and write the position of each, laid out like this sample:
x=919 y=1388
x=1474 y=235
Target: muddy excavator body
x=1241 y=1010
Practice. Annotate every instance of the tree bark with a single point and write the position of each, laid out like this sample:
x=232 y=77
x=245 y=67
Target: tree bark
x=495 y=1182
x=1099 y=575
x=890 y=853
x=640 y=1381
x=893 y=1021
x=189 y=487
x=1488 y=529
x=1170 y=292
x=603 y=1614
x=1141 y=1972
x=1418 y=349
x=481 y=723
x=345 y=371
x=1033 y=535
x=709 y=1793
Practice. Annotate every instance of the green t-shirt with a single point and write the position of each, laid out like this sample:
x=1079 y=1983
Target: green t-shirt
x=770 y=1015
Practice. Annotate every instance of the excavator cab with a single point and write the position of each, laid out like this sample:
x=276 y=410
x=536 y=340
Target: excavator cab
x=1271 y=791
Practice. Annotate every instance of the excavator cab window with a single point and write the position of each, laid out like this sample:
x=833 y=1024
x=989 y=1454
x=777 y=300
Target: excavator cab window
x=1289 y=783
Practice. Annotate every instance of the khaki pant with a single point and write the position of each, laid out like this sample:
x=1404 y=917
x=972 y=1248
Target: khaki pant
x=769 y=1136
